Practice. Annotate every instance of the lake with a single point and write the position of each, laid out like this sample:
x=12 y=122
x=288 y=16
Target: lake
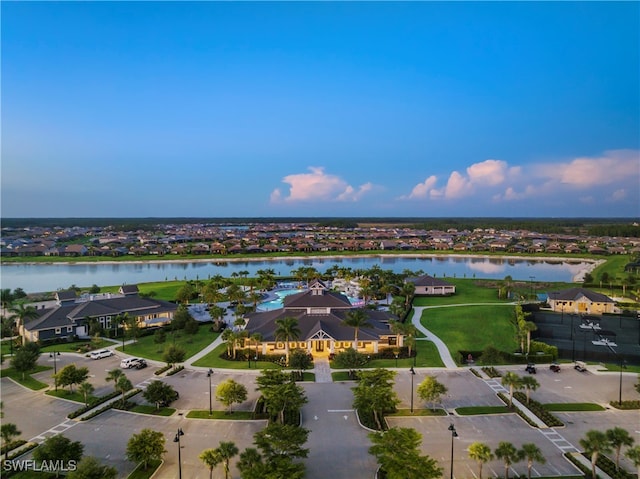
x=38 y=277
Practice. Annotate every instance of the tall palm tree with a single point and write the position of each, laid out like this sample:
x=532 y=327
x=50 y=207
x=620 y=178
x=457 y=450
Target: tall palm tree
x=286 y=330
x=528 y=327
x=619 y=437
x=123 y=385
x=226 y=450
x=407 y=290
x=114 y=375
x=22 y=313
x=211 y=459
x=86 y=389
x=633 y=453
x=512 y=381
x=595 y=443
x=508 y=453
x=532 y=453
x=529 y=383
x=256 y=338
x=481 y=453
x=356 y=318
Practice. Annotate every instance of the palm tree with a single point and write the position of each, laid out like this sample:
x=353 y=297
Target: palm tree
x=481 y=453
x=211 y=459
x=619 y=437
x=114 y=375
x=529 y=383
x=356 y=318
x=123 y=385
x=531 y=453
x=22 y=313
x=633 y=453
x=407 y=290
x=508 y=453
x=594 y=443
x=286 y=330
x=256 y=338
x=528 y=327
x=86 y=389
x=225 y=451
x=512 y=380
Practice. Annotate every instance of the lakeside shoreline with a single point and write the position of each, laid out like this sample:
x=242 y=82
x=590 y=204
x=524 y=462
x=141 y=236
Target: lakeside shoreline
x=578 y=277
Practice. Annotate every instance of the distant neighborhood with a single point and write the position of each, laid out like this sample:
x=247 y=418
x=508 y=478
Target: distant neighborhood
x=266 y=238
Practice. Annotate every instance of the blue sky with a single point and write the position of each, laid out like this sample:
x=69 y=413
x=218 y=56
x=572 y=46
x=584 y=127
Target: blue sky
x=320 y=109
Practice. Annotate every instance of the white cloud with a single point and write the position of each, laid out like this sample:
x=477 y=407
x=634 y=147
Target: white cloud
x=318 y=186
x=497 y=181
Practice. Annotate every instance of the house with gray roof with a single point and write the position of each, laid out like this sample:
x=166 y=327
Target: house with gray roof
x=320 y=314
x=580 y=301
x=71 y=316
x=429 y=286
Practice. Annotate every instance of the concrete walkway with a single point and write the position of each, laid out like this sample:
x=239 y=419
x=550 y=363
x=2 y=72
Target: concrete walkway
x=445 y=355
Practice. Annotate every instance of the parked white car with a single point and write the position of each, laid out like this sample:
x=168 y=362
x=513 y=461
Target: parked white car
x=128 y=363
x=103 y=353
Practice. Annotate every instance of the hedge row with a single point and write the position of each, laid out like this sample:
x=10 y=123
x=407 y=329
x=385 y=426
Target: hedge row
x=626 y=404
x=491 y=372
x=92 y=404
x=517 y=410
x=175 y=370
x=609 y=467
x=130 y=394
x=536 y=408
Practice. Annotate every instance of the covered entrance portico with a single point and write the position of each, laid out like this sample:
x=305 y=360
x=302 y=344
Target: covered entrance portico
x=321 y=344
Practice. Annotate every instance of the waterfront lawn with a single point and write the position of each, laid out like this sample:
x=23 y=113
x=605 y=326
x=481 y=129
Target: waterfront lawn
x=467 y=291
x=472 y=328
x=213 y=360
x=28 y=381
x=145 y=347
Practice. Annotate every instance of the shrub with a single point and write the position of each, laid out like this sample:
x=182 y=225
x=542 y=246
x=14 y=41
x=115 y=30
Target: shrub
x=536 y=408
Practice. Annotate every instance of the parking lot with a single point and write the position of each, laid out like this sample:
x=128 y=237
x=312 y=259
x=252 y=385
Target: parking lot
x=338 y=445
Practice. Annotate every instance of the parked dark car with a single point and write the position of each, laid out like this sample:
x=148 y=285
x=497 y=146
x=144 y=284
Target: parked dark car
x=555 y=367
x=531 y=368
x=140 y=364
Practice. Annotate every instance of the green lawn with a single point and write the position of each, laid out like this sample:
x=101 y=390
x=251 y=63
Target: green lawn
x=474 y=410
x=140 y=473
x=458 y=327
x=145 y=347
x=467 y=291
x=236 y=415
x=213 y=360
x=28 y=381
x=152 y=410
x=572 y=407
x=419 y=412
x=74 y=347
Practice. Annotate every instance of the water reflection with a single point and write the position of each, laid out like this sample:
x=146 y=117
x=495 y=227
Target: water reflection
x=49 y=277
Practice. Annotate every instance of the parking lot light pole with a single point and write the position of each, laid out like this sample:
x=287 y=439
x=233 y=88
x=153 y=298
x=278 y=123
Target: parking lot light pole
x=453 y=434
x=177 y=439
x=622 y=365
x=209 y=374
x=53 y=355
x=413 y=373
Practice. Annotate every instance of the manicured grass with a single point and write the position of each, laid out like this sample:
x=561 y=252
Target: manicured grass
x=236 y=415
x=74 y=347
x=28 y=381
x=467 y=291
x=145 y=347
x=213 y=360
x=65 y=394
x=419 y=412
x=341 y=376
x=472 y=328
x=477 y=410
x=164 y=290
x=140 y=473
x=615 y=368
x=572 y=407
x=152 y=410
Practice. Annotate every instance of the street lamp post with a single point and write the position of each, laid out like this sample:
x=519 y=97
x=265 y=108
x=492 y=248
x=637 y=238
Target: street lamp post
x=453 y=434
x=413 y=373
x=177 y=439
x=209 y=374
x=396 y=360
x=53 y=355
x=622 y=365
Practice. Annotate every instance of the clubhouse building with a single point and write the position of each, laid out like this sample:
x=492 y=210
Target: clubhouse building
x=320 y=314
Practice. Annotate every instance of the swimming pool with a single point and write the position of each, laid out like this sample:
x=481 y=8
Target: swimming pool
x=281 y=294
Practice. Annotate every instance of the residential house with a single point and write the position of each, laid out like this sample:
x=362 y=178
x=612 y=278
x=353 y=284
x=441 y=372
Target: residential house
x=429 y=286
